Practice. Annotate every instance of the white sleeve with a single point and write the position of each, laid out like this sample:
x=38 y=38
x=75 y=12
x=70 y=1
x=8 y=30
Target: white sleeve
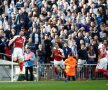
x=12 y=40
x=61 y=50
x=107 y=56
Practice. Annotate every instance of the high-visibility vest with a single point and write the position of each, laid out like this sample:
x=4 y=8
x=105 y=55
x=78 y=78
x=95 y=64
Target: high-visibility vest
x=70 y=63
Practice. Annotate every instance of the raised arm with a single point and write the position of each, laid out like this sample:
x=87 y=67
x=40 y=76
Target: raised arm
x=12 y=40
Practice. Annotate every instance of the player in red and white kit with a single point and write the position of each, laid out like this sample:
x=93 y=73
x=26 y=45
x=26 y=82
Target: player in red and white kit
x=102 y=60
x=18 y=44
x=58 y=56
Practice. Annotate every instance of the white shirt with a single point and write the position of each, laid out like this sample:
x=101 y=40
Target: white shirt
x=0 y=23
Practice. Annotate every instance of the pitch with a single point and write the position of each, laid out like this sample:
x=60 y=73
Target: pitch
x=55 y=85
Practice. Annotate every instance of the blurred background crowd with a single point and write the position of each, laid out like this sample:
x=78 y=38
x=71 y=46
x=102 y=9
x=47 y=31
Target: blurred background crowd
x=76 y=25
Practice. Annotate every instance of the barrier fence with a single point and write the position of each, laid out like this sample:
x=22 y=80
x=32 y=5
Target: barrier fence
x=46 y=72
x=87 y=72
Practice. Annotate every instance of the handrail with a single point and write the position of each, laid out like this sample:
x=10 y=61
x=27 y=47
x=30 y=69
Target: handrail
x=5 y=54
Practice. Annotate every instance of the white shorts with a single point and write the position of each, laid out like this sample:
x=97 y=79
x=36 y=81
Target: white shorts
x=81 y=63
x=59 y=63
x=102 y=64
x=18 y=53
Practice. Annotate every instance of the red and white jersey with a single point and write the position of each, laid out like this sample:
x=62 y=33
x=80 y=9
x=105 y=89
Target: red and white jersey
x=102 y=50
x=107 y=56
x=56 y=53
x=19 y=41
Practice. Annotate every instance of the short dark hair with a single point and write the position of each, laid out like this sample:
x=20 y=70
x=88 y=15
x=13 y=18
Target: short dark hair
x=22 y=27
x=28 y=47
x=70 y=54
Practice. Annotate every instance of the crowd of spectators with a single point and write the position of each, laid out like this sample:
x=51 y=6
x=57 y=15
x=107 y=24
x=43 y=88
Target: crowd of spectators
x=71 y=23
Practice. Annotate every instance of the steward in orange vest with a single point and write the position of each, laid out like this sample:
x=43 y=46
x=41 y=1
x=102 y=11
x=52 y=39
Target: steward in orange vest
x=70 y=63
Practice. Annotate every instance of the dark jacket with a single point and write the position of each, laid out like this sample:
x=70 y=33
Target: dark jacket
x=82 y=54
x=66 y=51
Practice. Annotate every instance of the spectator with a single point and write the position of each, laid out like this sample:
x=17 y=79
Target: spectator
x=41 y=59
x=74 y=49
x=19 y=4
x=95 y=47
x=41 y=54
x=10 y=9
x=12 y=34
x=91 y=60
x=87 y=38
x=77 y=40
x=47 y=47
x=91 y=55
x=2 y=6
x=31 y=45
x=35 y=37
x=82 y=59
x=2 y=43
x=66 y=50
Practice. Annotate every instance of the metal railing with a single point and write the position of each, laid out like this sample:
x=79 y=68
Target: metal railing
x=46 y=71
x=87 y=72
x=4 y=56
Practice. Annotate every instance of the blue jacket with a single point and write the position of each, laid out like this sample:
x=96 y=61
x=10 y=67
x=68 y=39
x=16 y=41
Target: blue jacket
x=66 y=51
x=29 y=59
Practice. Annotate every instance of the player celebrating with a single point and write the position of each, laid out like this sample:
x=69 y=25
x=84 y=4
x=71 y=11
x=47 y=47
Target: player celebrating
x=102 y=60
x=58 y=56
x=18 y=43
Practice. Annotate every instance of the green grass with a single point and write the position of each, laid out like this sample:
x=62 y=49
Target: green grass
x=56 y=85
